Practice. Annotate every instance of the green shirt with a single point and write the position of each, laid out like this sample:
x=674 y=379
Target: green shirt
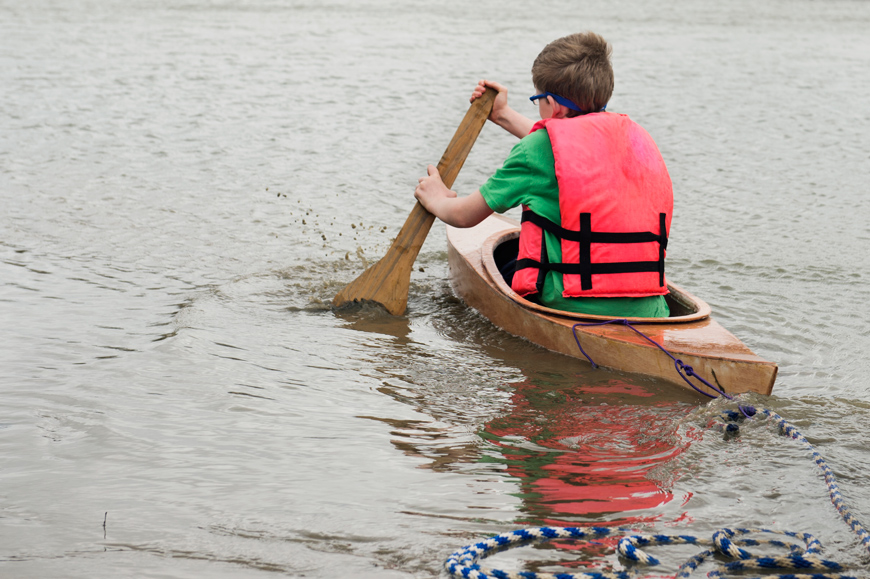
x=528 y=177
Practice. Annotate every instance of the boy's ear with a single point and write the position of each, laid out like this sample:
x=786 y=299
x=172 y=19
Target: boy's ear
x=559 y=111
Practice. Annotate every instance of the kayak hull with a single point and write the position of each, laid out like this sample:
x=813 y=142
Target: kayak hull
x=690 y=334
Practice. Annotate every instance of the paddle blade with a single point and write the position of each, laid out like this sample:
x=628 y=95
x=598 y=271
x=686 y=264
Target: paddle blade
x=387 y=281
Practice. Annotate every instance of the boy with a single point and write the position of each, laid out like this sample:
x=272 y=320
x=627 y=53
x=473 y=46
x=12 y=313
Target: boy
x=596 y=195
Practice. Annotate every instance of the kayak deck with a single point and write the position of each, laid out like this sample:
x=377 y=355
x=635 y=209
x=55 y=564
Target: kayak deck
x=690 y=333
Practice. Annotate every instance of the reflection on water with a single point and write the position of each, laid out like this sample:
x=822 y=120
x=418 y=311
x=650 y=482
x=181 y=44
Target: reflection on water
x=589 y=453
x=371 y=318
x=598 y=450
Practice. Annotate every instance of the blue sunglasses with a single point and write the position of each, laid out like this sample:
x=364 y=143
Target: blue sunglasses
x=561 y=100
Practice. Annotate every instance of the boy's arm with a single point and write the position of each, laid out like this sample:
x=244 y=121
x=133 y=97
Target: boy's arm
x=443 y=203
x=502 y=114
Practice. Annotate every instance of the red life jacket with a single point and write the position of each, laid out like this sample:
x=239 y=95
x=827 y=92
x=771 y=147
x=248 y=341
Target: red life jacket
x=615 y=202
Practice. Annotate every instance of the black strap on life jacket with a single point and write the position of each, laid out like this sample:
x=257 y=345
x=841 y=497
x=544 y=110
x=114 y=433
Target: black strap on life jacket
x=586 y=237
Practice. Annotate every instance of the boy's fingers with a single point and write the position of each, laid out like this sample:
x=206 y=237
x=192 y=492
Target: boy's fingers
x=478 y=90
x=432 y=169
x=498 y=87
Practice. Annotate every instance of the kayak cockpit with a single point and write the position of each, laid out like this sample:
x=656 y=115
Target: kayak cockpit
x=501 y=248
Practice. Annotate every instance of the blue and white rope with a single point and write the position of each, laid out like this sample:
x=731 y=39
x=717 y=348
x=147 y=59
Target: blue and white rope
x=798 y=559
x=464 y=563
x=789 y=430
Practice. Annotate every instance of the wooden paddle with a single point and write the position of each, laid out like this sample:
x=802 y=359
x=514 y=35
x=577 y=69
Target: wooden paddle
x=386 y=282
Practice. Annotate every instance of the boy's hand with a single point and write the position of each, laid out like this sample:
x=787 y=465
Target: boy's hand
x=513 y=122
x=499 y=105
x=443 y=203
x=430 y=190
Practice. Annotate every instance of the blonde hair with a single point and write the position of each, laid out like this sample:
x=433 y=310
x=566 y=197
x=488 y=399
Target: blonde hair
x=578 y=68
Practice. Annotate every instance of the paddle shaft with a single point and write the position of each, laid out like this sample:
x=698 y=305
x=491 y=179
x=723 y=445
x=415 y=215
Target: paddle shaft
x=387 y=281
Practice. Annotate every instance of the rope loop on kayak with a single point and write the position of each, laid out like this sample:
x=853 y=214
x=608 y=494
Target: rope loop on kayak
x=724 y=542
x=685 y=371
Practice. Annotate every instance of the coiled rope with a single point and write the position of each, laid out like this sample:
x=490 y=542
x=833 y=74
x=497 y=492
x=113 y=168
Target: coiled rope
x=464 y=563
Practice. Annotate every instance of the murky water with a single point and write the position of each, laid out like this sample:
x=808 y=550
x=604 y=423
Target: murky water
x=185 y=186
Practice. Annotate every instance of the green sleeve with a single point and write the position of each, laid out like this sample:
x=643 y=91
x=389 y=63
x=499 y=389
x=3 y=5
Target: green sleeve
x=528 y=177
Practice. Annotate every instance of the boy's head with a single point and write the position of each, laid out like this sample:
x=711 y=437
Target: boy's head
x=576 y=67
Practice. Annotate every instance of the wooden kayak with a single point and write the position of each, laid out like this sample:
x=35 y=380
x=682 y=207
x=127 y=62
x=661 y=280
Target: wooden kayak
x=689 y=334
